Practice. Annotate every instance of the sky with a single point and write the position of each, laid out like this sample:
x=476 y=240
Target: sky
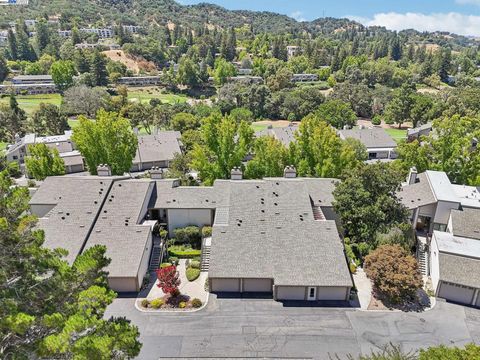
x=457 y=16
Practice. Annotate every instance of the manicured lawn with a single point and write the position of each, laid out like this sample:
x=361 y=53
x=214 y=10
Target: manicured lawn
x=30 y=103
x=145 y=96
x=397 y=134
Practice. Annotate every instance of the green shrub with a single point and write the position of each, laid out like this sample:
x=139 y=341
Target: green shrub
x=192 y=274
x=376 y=120
x=183 y=252
x=188 y=235
x=207 y=231
x=194 y=264
x=164 y=265
x=182 y=304
x=145 y=303
x=174 y=260
x=157 y=303
x=196 y=303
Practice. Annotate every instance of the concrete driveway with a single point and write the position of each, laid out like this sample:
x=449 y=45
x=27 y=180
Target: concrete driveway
x=264 y=328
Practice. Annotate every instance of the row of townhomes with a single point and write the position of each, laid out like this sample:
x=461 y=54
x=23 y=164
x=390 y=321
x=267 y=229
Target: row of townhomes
x=156 y=150
x=379 y=144
x=445 y=216
x=276 y=235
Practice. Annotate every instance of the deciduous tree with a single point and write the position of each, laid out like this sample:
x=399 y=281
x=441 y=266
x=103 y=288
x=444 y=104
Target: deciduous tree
x=367 y=203
x=225 y=145
x=168 y=280
x=318 y=151
x=43 y=161
x=107 y=140
x=63 y=72
x=270 y=158
x=337 y=113
x=394 y=273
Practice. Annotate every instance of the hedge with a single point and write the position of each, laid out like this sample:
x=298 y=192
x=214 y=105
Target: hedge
x=192 y=274
x=183 y=252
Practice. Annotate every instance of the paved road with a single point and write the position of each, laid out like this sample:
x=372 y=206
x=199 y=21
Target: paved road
x=264 y=328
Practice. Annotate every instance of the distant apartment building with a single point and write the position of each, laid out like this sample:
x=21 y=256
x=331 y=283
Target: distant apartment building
x=380 y=146
x=30 y=84
x=101 y=32
x=156 y=150
x=140 y=80
x=293 y=50
x=416 y=133
x=63 y=143
x=304 y=77
x=32 y=79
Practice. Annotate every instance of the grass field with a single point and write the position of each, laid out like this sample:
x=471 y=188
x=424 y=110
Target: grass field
x=30 y=103
x=144 y=97
x=397 y=134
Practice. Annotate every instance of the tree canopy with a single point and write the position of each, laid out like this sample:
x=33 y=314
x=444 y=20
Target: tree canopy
x=225 y=145
x=43 y=161
x=49 y=308
x=107 y=140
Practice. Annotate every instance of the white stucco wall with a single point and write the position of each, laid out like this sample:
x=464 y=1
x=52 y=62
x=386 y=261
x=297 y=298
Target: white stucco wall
x=224 y=285
x=339 y=293
x=427 y=210
x=142 y=270
x=178 y=218
x=443 y=211
x=122 y=284
x=290 y=292
x=257 y=285
x=434 y=264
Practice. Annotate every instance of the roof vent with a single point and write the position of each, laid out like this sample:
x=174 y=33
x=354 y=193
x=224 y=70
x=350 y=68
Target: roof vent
x=156 y=173
x=236 y=173
x=104 y=170
x=290 y=172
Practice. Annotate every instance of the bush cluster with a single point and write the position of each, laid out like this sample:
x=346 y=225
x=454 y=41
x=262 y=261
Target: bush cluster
x=192 y=274
x=183 y=252
x=188 y=235
x=157 y=303
x=196 y=303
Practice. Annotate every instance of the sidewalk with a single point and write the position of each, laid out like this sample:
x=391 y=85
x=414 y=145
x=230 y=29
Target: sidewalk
x=364 y=288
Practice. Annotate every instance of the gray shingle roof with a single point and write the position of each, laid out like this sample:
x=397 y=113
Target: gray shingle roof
x=466 y=223
x=185 y=197
x=371 y=138
x=78 y=200
x=459 y=270
x=284 y=134
x=117 y=228
x=418 y=194
x=271 y=233
x=159 y=147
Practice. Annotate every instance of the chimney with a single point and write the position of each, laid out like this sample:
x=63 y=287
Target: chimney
x=236 y=173
x=104 y=170
x=156 y=173
x=290 y=172
x=412 y=176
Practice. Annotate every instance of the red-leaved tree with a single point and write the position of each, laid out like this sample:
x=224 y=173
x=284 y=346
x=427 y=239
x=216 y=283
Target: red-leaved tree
x=168 y=280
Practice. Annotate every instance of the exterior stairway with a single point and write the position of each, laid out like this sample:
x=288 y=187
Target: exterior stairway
x=156 y=254
x=422 y=259
x=205 y=263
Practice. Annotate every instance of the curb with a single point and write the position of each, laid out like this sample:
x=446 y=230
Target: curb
x=160 y=311
x=433 y=302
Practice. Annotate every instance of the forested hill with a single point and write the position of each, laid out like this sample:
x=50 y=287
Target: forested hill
x=145 y=12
